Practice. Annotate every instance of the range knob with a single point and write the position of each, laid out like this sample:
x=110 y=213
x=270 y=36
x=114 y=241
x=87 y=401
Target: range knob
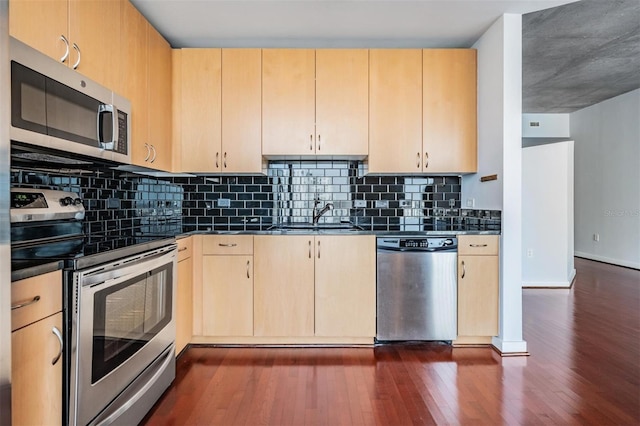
x=66 y=201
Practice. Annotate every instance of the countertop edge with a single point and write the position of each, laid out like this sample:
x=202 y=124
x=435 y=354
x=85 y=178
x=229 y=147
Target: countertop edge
x=32 y=271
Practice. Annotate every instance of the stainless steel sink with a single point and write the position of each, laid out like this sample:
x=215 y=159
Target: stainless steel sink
x=310 y=227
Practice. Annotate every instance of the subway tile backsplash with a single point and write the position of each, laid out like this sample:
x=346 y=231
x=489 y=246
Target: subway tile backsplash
x=120 y=203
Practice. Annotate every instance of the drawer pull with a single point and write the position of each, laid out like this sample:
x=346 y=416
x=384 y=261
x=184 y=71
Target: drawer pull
x=477 y=245
x=66 y=53
x=227 y=245
x=181 y=249
x=464 y=271
x=57 y=333
x=23 y=304
x=248 y=264
x=77 y=49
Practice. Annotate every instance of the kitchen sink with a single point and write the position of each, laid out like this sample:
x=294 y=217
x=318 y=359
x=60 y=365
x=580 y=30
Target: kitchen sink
x=310 y=227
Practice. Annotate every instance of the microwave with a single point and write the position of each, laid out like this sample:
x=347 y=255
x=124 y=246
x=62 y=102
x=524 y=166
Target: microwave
x=54 y=107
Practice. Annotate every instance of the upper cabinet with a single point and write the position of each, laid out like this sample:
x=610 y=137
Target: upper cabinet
x=314 y=102
x=85 y=34
x=146 y=82
x=449 y=110
x=395 y=111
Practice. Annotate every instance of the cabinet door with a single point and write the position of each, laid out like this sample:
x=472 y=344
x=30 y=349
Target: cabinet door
x=395 y=110
x=478 y=295
x=288 y=101
x=41 y=24
x=449 y=109
x=36 y=388
x=345 y=286
x=184 y=304
x=201 y=110
x=133 y=81
x=342 y=102
x=159 y=92
x=283 y=286
x=227 y=296
x=241 y=110
x=94 y=26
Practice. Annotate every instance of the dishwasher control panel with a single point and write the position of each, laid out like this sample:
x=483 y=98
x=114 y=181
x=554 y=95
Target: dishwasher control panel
x=418 y=243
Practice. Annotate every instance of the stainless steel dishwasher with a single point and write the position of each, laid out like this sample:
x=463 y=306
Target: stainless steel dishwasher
x=416 y=288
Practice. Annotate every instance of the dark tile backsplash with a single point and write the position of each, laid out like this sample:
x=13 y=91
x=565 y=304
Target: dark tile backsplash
x=121 y=203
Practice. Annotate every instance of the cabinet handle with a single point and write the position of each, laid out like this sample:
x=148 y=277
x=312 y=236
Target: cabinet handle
x=181 y=249
x=318 y=142
x=309 y=249
x=227 y=245
x=217 y=157
x=225 y=160
x=418 y=160
x=155 y=154
x=477 y=245
x=426 y=159
x=27 y=303
x=146 y=145
x=77 y=49
x=464 y=271
x=318 y=249
x=67 y=51
x=57 y=333
x=248 y=269
x=311 y=142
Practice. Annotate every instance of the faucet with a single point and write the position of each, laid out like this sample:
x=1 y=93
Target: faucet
x=318 y=213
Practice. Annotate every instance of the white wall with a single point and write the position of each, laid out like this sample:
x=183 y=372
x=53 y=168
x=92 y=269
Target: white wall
x=548 y=125
x=499 y=152
x=547 y=215
x=607 y=180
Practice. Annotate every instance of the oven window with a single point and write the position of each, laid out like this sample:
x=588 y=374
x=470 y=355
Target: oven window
x=127 y=316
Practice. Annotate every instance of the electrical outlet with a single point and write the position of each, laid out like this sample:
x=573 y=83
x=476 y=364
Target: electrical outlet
x=359 y=204
x=471 y=202
x=596 y=237
x=405 y=203
x=529 y=252
x=224 y=202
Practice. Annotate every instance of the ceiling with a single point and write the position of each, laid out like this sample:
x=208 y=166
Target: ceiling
x=579 y=54
x=329 y=23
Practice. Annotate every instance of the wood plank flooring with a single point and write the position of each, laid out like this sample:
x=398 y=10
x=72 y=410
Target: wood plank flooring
x=584 y=369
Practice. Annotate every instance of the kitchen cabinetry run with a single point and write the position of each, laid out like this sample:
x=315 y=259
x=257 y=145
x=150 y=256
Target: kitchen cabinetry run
x=224 y=301
x=85 y=34
x=146 y=82
x=478 y=286
x=315 y=102
x=36 y=350
x=184 y=294
x=322 y=286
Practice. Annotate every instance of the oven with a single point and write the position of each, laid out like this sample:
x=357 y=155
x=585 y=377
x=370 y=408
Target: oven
x=122 y=337
x=118 y=306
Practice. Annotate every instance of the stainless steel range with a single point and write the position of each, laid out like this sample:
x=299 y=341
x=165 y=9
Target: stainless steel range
x=118 y=307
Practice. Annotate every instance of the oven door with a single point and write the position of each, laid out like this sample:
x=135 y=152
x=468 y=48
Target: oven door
x=122 y=321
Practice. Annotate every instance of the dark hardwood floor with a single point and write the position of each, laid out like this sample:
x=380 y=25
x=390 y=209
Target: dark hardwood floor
x=584 y=369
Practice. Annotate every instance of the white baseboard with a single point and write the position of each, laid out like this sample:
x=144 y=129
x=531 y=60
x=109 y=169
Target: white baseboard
x=551 y=284
x=510 y=347
x=634 y=265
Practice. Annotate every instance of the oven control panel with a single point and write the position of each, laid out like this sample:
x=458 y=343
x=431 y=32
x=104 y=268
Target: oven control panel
x=31 y=205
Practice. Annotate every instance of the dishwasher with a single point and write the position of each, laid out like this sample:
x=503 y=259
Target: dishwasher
x=416 y=288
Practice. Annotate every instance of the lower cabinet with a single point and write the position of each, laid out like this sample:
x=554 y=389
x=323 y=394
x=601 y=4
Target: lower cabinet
x=478 y=286
x=184 y=294
x=36 y=350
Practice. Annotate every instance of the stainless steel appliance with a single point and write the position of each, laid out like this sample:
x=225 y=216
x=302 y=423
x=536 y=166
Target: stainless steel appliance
x=118 y=306
x=416 y=288
x=53 y=106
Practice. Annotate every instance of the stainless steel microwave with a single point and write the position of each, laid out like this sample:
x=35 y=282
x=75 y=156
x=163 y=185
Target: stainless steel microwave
x=55 y=107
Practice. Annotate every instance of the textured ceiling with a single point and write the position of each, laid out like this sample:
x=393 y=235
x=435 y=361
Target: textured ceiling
x=579 y=54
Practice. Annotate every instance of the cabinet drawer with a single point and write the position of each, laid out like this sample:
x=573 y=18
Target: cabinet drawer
x=478 y=245
x=185 y=248
x=227 y=244
x=41 y=296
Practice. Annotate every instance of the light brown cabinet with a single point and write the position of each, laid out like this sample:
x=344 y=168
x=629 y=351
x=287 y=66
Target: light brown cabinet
x=224 y=299
x=36 y=350
x=320 y=286
x=315 y=102
x=478 y=286
x=449 y=111
x=146 y=82
x=184 y=294
x=85 y=34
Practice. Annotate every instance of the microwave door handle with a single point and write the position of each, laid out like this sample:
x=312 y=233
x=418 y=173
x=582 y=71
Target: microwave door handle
x=103 y=109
